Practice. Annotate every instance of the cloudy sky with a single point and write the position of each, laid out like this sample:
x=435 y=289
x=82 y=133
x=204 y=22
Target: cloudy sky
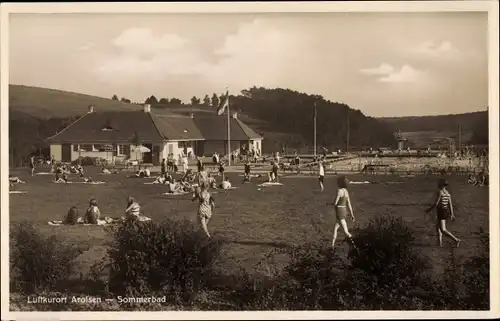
x=393 y=64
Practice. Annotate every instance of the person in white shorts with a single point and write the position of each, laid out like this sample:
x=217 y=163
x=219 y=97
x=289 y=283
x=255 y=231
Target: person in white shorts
x=321 y=175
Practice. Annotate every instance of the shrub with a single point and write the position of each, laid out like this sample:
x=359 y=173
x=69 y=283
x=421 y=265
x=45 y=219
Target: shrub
x=384 y=272
x=477 y=276
x=384 y=249
x=39 y=263
x=466 y=286
x=173 y=257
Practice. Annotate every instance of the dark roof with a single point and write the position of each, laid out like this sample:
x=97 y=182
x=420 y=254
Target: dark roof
x=215 y=128
x=125 y=124
x=177 y=127
x=150 y=128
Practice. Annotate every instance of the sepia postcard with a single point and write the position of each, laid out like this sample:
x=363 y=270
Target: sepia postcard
x=295 y=160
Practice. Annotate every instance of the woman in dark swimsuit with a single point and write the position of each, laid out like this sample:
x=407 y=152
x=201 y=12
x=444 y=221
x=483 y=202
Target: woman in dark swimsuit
x=342 y=206
x=444 y=210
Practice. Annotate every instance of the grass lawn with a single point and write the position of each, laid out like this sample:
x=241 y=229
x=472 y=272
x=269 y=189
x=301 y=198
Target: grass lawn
x=255 y=221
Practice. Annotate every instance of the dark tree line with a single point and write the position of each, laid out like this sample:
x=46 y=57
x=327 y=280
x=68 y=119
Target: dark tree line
x=288 y=111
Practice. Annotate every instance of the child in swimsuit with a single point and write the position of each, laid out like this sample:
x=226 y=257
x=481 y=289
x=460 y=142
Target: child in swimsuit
x=444 y=210
x=342 y=206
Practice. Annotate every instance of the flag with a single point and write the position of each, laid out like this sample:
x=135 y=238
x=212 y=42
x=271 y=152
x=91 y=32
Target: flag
x=224 y=103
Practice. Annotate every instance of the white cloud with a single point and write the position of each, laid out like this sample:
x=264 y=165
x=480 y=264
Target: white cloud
x=383 y=69
x=437 y=49
x=407 y=74
x=143 y=40
x=256 y=54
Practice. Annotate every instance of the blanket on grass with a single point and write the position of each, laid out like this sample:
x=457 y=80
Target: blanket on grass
x=104 y=221
x=18 y=192
x=270 y=184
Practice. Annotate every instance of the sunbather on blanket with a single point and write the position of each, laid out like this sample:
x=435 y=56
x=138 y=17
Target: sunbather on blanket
x=175 y=187
x=226 y=184
x=61 y=178
x=15 y=180
x=189 y=176
x=472 y=180
x=93 y=213
x=73 y=217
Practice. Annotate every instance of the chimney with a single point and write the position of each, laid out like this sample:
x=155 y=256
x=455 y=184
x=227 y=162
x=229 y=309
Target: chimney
x=235 y=115
x=191 y=115
x=147 y=108
x=91 y=109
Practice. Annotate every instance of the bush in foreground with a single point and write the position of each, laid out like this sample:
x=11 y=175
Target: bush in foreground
x=40 y=263
x=172 y=258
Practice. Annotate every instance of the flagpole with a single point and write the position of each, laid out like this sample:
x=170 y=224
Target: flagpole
x=228 y=129
x=315 y=112
x=348 y=132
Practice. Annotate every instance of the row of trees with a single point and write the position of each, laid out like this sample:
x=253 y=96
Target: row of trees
x=194 y=101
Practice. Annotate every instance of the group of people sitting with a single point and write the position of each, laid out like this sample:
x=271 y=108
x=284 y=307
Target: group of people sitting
x=93 y=214
x=481 y=180
x=143 y=172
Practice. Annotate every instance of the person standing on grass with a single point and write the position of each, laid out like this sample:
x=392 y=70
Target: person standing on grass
x=247 y=175
x=133 y=210
x=221 y=169
x=163 y=168
x=342 y=204
x=32 y=165
x=199 y=163
x=321 y=176
x=205 y=208
x=444 y=210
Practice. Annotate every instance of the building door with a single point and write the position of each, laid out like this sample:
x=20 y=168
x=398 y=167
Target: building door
x=170 y=149
x=66 y=153
x=199 y=149
x=148 y=157
x=156 y=155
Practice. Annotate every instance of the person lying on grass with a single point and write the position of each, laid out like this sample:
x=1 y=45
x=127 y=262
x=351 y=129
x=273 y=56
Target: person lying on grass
x=15 y=180
x=342 y=205
x=93 y=213
x=88 y=179
x=105 y=171
x=225 y=184
x=205 y=208
x=444 y=210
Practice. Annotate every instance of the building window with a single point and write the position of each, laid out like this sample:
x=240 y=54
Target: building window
x=97 y=147
x=120 y=150
x=86 y=147
x=76 y=147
